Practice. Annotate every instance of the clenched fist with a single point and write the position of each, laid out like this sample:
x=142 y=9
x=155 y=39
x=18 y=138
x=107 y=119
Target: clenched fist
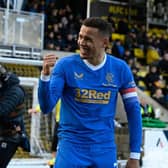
x=48 y=63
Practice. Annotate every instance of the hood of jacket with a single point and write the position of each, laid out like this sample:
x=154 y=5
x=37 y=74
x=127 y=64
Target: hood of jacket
x=11 y=81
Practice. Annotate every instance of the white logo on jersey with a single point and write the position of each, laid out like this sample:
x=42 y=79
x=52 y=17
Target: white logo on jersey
x=78 y=76
x=109 y=80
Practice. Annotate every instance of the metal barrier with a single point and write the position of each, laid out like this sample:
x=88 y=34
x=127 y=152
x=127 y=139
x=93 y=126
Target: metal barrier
x=20 y=52
x=21 y=28
x=27 y=163
x=21 y=34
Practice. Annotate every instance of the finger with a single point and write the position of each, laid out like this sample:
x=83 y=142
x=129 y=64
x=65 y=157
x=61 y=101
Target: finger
x=50 y=57
x=49 y=63
x=50 y=60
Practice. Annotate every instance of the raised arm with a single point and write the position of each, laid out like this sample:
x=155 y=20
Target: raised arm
x=46 y=100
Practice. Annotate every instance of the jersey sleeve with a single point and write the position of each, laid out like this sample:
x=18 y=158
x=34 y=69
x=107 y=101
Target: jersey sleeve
x=50 y=91
x=132 y=108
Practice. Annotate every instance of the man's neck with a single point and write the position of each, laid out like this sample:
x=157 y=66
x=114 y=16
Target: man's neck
x=98 y=66
x=97 y=60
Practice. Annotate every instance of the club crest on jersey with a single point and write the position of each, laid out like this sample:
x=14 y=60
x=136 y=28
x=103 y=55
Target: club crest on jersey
x=78 y=75
x=109 y=80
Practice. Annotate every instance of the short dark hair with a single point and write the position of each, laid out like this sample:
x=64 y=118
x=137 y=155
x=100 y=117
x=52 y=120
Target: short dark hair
x=102 y=25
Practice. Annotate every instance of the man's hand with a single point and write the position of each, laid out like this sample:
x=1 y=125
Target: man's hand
x=48 y=63
x=132 y=163
x=32 y=111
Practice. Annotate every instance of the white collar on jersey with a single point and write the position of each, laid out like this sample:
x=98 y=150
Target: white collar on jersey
x=96 y=67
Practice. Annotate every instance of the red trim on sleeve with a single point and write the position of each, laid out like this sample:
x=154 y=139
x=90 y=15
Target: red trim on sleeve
x=128 y=90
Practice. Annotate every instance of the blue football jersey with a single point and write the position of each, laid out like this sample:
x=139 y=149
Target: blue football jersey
x=89 y=98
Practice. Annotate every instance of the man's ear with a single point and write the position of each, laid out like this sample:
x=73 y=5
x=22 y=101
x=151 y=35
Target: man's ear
x=106 y=42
